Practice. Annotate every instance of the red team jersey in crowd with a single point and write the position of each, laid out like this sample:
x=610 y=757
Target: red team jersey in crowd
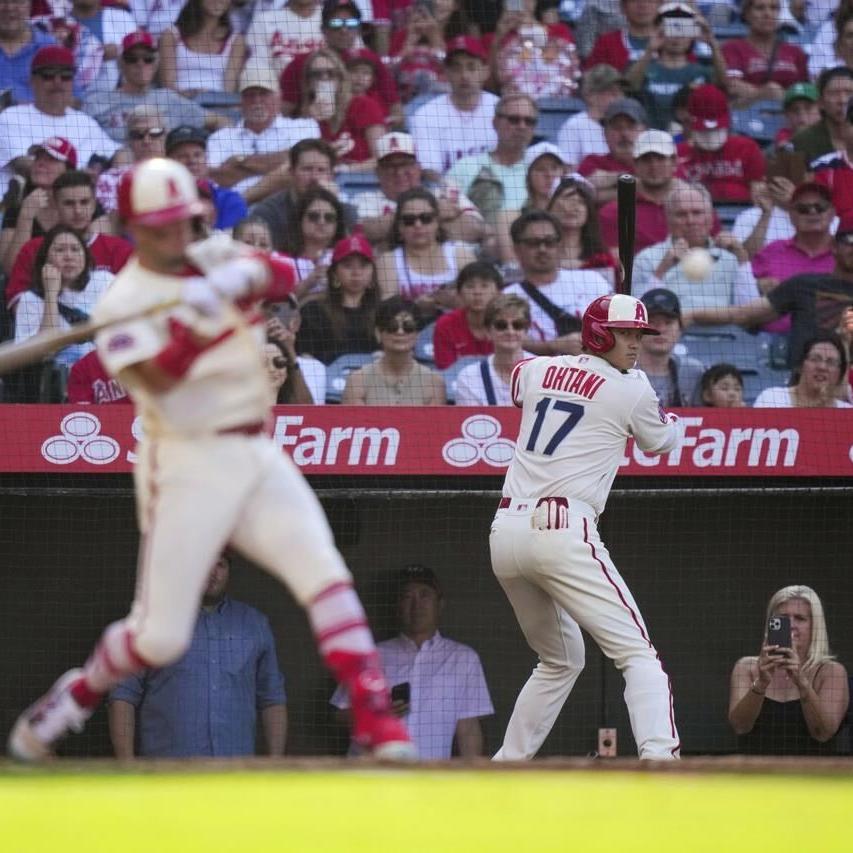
x=89 y=382
x=610 y=49
x=363 y=112
x=745 y=62
x=453 y=339
x=726 y=173
x=603 y=163
x=835 y=171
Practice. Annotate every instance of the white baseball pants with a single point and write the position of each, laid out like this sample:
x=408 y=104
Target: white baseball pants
x=557 y=579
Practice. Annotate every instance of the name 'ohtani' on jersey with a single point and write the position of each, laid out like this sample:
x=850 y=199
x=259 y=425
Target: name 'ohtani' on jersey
x=572 y=380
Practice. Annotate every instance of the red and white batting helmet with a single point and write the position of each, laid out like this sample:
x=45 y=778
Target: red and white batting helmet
x=158 y=192
x=614 y=311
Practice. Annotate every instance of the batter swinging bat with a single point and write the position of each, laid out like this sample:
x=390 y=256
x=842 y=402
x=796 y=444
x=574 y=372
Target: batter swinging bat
x=626 y=216
x=14 y=355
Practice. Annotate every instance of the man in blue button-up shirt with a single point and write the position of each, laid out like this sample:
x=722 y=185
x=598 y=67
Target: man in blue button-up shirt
x=207 y=703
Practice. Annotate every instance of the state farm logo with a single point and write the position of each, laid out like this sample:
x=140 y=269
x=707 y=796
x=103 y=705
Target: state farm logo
x=481 y=442
x=80 y=438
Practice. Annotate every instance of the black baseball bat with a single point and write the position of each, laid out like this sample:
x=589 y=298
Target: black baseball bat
x=626 y=215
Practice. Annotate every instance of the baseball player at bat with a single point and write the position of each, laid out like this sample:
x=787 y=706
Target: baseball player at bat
x=577 y=414
x=207 y=475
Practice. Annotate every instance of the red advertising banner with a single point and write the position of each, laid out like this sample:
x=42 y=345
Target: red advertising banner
x=440 y=441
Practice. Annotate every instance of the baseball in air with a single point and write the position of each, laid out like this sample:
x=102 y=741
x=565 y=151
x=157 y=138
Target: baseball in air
x=696 y=264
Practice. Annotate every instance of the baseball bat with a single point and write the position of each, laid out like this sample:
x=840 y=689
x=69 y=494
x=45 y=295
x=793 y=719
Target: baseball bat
x=14 y=355
x=626 y=215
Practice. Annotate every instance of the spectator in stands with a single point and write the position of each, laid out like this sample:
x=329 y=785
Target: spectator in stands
x=487 y=383
x=557 y=297
x=276 y=36
x=461 y=122
x=624 y=120
x=146 y=138
x=138 y=66
x=50 y=114
x=762 y=66
x=240 y=155
x=110 y=24
x=74 y=193
x=35 y=213
x=447 y=691
x=833 y=43
x=596 y=18
x=155 y=16
x=188 y=145
x=398 y=170
x=343 y=319
x=463 y=331
x=319 y=221
x=495 y=180
x=621 y=47
x=817 y=380
x=573 y=204
x=350 y=124
x=89 y=383
x=790 y=701
x=206 y=703
x=835 y=170
x=342 y=34
x=722 y=387
x=690 y=217
x=395 y=378
x=311 y=161
x=727 y=164
x=809 y=251
x=666 y=65
x=582 y=133
x=20 y=40
x=655 y=165
x=423 y=264
x=816 y=303
x=835 y=88
x=675 y=378
x=65 y=289
x=202 y=52
x=767 y=220
x=801 y=111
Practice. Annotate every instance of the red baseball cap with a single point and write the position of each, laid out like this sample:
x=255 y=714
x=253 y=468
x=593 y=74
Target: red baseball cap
x=355 y=245
x=138 y=39
x=708 y=108
x=52 y=56
x=811 y=187
x=465 y=44
x=58 y=148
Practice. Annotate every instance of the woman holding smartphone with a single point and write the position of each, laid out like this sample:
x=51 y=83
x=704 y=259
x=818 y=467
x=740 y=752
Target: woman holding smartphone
x=790 y=699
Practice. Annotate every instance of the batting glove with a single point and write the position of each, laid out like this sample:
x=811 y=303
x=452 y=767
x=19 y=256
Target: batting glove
x=199 y=294
x=238 y=278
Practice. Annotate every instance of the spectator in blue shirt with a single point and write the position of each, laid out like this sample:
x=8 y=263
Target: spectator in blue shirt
x=19 y=42
x=206 y=703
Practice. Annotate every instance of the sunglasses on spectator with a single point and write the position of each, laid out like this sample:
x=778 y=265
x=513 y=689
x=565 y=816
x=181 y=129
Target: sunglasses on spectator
x=136 y=58
x=323 y=74
x=540 y=242
x=65 y=76
x=344 y=24
x=814 y=207
x=821 y=360
x=318 y=216
x=515 y=121
x=407 y=327
x=410 y=219
x=139 y=135
x=503 y=325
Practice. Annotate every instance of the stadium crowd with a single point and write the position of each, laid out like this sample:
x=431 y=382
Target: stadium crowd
x=443 y=175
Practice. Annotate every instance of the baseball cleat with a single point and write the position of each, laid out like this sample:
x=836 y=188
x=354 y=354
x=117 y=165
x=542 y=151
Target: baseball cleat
x=389 y=740
x=49 y=720
x=376 y=729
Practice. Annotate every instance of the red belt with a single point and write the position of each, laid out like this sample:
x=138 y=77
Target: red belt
x=245 y=429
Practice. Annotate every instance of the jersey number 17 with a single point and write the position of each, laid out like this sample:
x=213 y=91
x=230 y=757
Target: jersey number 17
x=574 y=412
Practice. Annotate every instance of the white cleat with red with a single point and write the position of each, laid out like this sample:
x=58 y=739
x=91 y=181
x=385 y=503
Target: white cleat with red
x=46 y=722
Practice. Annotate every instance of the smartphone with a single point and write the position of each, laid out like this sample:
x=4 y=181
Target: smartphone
x=686 y=28
x=787 y=164
x=401 y=692
x=779 y=631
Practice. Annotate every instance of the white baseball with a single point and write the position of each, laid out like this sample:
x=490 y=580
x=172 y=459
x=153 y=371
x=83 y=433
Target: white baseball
x=696 y=264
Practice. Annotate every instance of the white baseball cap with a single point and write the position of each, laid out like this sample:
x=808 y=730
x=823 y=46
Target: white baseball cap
x=654 y=142
x=395 y=143
x=258 y=77
x=541 y=149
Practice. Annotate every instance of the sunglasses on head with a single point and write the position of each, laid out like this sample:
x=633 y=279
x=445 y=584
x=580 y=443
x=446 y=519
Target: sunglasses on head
x=814 y=207
x=136 y=58
x=344 y=24
x=139 y=135
x=318 y=216
x=503 y=325
x=515 y=121
x=48 y=75
x=540 y=242
x=410 y=219
x=405 y=326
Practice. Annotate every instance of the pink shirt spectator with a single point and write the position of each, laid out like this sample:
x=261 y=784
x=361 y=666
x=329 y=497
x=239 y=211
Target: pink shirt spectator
x=782 y=259
x=453 y=339
x=746 y=63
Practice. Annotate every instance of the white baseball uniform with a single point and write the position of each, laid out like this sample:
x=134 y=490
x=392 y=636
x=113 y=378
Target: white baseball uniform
x=578 y=412
x=207 y=475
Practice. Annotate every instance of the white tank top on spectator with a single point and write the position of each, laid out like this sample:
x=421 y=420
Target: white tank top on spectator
x=414 y=284
x=201 y=71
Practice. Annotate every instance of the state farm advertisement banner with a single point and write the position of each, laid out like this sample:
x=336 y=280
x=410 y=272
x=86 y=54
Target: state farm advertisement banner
x=440 y=441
